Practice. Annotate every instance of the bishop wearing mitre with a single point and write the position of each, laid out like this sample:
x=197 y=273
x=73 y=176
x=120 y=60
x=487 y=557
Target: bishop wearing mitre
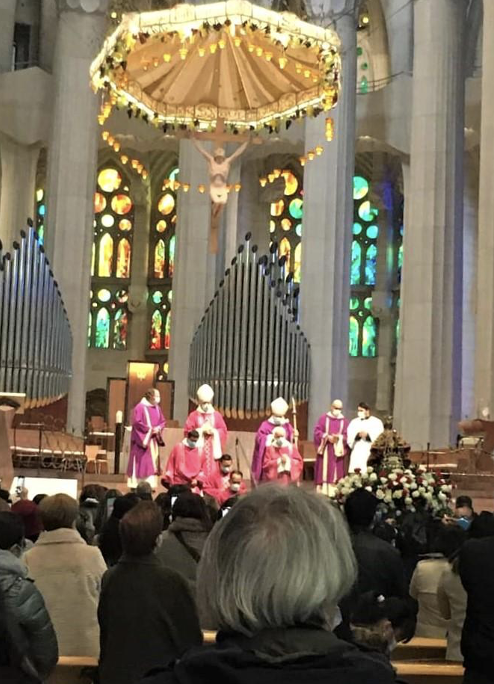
x=212 y=430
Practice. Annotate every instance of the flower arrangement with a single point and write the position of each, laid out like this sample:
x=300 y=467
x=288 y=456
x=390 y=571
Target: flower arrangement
x=399 y=489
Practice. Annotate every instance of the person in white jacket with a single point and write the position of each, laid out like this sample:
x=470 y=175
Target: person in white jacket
x=362 y=432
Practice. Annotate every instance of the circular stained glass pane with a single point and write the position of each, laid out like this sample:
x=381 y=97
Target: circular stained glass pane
x=368 y=303
x=161 y=226
x=104 y=295
x=353 y=303
x=39 y=195
x=122 y=296
x=166 y=204
x=165 y=367
x=157 y=297
x=174 y=173
x=372 y=232
x=107 y=220
x=121 y=204
x=99 y=202
x=170 y=295
x=125 y=224
x=42 y=210
x=360 y=187
x=298 y=229
x=286 y=224
x=272 y=226
x=109 y=180
x=277 y=208
x=357 y=228
x=291 y=183
x=367 y=212
x=296 y=208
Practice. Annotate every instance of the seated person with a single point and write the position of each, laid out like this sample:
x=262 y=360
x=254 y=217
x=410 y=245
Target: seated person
x=226 y=483
x=185 y=463
x=282 y=461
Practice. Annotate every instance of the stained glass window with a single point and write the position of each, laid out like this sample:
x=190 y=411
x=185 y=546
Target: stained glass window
x=363 y=271
x=285 y=226
x=111 y=260
x=40 y=214
x=162 y=266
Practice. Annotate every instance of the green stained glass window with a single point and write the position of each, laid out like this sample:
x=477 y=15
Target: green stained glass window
x=296 y=208
x=102 y=329
x=157 y=297
x=120 y=330
x=353 y=303
x=367 y=212
x=364 y=85
x=354 y=336
x=356 y=263
x=357 y=228
x=171 y=257
x=372 y=232
x=370 y=265
x=360 y=187
x=168 y=325
x=369 y=335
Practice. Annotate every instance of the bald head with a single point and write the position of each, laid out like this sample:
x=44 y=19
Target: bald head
x=337 y=408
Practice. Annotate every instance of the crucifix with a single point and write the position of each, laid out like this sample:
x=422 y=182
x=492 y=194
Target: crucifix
x=219 y=167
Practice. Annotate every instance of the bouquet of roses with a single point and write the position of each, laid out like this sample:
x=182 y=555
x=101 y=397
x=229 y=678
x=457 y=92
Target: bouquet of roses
x=399 y=489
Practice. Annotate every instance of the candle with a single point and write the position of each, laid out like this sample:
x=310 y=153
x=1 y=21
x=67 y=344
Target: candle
x=119 y=417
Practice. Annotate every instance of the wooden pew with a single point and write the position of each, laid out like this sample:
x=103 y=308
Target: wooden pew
x=421 y=649
x=414 y=672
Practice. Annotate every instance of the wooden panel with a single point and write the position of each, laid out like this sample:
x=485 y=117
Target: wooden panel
x=116 y=389
x=140 y=377
x=167 y=391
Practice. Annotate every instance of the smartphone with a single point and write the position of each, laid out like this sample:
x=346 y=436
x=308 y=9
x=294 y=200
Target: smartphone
x=174 y=498
x=21 y=481
x=109 y=506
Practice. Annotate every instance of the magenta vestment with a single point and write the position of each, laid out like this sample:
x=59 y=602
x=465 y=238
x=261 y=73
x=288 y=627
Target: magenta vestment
x=142 y=462
x=265 y=429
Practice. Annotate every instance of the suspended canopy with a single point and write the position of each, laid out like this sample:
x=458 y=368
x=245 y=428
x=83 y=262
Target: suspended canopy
x=234 y=62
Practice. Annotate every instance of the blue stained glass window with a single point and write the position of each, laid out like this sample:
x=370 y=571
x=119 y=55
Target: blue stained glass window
x=367 y=212
x=370 y=265
x=360 y=187
x=356 y=263
x=354 y=335
x=369 y=334
x=372 y=232
x=357 y=228
x=102 y=340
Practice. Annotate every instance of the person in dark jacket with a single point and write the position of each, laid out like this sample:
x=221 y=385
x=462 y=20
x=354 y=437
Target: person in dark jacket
x=28 y=645
x=146 y=613
x=89 y=501
x=181 y=545
x=108 y=540
x=476 y=566
x=29 y=512
x=380 y=568
x=270 y=578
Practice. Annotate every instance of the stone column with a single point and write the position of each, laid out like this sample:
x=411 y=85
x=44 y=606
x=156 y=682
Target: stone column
x=327 y=237
x=7 y=24
x=470 y=273
x=18 y=186
x=72 y=161
x=138 y=290
x=194 y=277
x=428 y=388
x=398 y=15
x=484 y=366
x=48 y=33
x=253 y=211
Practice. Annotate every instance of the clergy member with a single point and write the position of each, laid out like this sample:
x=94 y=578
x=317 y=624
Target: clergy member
x=185 y=463
x=146 y=438
x=279 y=408
x=282 y=461
x=362 y=432
x=331 y=444
x=211 y=428
x=227 y=483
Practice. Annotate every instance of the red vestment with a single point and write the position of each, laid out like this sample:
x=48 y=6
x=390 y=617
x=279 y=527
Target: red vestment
x=274 y=470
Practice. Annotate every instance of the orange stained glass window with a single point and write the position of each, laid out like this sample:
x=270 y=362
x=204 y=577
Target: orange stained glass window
x=166 y=204
x=159 y=259
x=285 y=249
x=291 y=183
x=99 y=202
x=156 y=327
x=168 y=325
x=93 y=258
x=109 y=180
x=171 y=257
x=125 y=224
x=286 y=224
x=297 y=263
x=277 y=208
x=105 y=261
x=121 y=204
x=123 y=259
x=161 y=226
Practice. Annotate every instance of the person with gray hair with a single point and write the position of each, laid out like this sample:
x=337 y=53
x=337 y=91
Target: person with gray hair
x=271 y=576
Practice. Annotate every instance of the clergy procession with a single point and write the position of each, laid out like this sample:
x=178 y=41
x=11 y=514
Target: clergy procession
x=199 y=462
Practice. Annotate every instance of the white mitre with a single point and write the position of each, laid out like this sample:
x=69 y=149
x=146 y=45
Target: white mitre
x=205 y=394
x=279 y=407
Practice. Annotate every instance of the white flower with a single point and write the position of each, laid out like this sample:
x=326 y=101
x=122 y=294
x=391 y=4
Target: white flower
x=392 y=477
x=369 y=489
x=345 y=491
x=442 y=496
x=403 y=480
x=408 y=472
x=416 y=494
x=422 y=490
x=398 y=494
x=413 y=485
x=446 y=488
x=428 y=497
x=380 y=494
x=373 y=477
x=408 y=501
x=370 y=470
x=384 y=480
x=388 y=497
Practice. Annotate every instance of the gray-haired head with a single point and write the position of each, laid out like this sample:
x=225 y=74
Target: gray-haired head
x=281 y=557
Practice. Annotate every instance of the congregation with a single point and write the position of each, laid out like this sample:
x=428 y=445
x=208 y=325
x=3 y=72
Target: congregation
x=294 y=588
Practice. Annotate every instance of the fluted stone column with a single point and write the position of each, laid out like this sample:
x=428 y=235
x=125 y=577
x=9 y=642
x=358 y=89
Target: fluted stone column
x=398 y=15
x=484 y=367
x=194 y=277
x=138 y=342
x=327 y=236
x=18 y=185
x=7 y=24
x=428 y=388
x=72 y=160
